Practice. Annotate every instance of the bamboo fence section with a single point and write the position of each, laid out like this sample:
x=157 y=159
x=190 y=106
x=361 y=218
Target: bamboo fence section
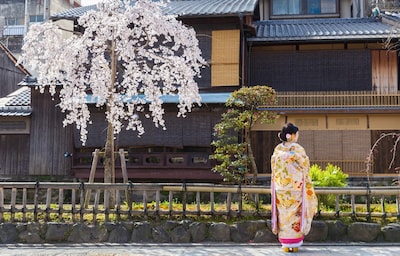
x=46 y=201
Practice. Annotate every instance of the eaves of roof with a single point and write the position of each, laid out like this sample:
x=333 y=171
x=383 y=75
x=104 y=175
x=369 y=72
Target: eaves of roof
x=17 y=103
x=217 y=97
x=355 y=29
x=182 y=8
x=15 y=111
x=206 y=98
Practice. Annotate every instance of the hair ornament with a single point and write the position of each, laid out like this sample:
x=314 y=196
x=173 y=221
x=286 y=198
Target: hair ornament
x=288 y=135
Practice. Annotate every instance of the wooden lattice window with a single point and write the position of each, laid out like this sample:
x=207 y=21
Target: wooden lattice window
x=225 y=58
x=14 y=126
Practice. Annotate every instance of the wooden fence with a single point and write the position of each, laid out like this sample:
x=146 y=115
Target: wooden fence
x=47 y=201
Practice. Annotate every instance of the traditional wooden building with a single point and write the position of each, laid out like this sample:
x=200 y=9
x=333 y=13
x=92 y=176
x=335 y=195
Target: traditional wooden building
x=327 y=60
x=15 y=110
x=337 y=78
x=182 y=151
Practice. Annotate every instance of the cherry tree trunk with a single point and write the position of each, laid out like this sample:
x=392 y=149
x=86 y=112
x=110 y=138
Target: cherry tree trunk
x=109 y=158
x=109 y=165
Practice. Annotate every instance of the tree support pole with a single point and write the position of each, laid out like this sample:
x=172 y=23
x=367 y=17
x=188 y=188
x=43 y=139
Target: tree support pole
x=124 y=171
x=92 y=175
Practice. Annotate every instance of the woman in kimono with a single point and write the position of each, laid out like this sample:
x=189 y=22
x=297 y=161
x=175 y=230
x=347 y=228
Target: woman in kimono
x=293 y=198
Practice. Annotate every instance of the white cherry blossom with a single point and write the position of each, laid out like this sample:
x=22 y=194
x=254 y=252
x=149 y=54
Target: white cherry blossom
x=127 y=58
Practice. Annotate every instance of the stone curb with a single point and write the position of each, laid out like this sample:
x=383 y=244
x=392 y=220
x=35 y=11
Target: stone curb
x=184 y=232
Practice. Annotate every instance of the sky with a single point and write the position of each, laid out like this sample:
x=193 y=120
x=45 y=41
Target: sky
x=88 y=2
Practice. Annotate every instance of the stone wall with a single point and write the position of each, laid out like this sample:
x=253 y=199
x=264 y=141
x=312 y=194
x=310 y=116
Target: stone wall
x=190 y=232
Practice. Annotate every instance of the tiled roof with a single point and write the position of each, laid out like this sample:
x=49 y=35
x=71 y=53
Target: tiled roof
x=183 y=8
x=211 y=7
x=17 y=103
x=323 y=29
x=73 y=13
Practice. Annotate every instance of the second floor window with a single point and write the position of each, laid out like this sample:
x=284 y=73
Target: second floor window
x=36 y=18
x=304 y=7
x=13 y=21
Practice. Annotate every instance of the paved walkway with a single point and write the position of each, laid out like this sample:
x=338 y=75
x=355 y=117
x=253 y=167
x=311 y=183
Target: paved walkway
x=105 y=249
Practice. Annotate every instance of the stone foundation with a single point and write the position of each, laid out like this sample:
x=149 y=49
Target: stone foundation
x=190 y=232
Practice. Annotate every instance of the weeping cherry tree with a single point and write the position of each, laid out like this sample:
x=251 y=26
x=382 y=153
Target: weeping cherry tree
x=126 y=58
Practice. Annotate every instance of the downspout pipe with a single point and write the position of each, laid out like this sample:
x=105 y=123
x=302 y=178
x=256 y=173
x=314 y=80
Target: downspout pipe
x=242 y=80
x=249 y=62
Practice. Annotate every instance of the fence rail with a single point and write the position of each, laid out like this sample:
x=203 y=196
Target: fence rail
x=45 y=201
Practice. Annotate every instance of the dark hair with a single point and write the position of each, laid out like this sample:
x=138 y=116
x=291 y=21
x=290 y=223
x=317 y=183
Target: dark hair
x=288 y=128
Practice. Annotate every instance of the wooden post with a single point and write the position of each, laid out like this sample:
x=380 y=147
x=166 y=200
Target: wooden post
x=123 y=165
x=91 y=175
x=124 y=171
x=1 y=204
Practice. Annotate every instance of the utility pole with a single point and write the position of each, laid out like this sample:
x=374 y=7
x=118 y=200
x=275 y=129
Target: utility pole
x=26 y=24
x=44 y=10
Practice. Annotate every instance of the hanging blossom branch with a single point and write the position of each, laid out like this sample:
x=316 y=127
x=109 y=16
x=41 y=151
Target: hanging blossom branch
x=370 y=157
x=157 y=55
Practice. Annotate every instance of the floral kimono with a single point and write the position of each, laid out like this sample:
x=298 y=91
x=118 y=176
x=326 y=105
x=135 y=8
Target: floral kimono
x=293 y=198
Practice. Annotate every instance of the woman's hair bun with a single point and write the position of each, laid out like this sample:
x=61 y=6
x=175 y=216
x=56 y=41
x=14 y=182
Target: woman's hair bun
x=287 y=129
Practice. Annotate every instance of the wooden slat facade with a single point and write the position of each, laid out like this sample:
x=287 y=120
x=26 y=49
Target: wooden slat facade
x=384 y=71
x=49 y=140
x=14 y=146
x=346 y=149
x=14 y=155
x=312 y=70
x=193 y=130
x=181 y=152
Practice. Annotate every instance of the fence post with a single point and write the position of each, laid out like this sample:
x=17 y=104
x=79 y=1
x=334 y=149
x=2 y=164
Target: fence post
x=60 y=203
x=82 y=201
x=157 y=213
x=24 y=202
x=353 y=207
x=184 y=199
x=397 y=196
x=1 y=204
x=171 y=202
x=48 y=201
x=368 y=203
x=198 y=202
x=73 y=204
x=35 y=202
x=240 y=194
x=130 y=199
x=13 y=202
x=145 y=210
x=229 y=204
x=106 y=204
